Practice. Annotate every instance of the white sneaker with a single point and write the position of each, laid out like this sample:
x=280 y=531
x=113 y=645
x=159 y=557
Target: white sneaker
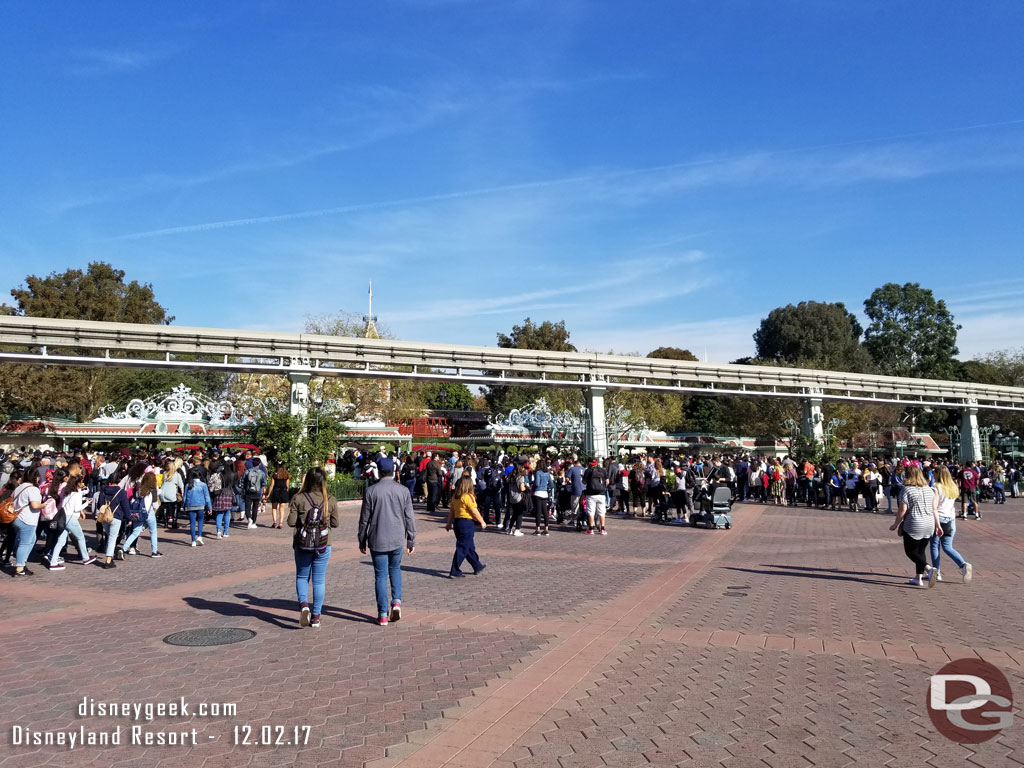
x=518 y=533
x=199 y=540
x=967 y=572
x=938 y=574
x=251 y=525
x=193 y=543
x=220 y=535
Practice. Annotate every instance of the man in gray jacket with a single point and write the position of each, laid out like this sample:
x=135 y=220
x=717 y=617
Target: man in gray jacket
x=386 y=527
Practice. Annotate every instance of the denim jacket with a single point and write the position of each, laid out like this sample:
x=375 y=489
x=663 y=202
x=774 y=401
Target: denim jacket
x=198 y=496
x=541 y=481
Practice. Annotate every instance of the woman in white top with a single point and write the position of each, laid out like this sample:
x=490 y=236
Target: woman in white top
x=917 y=521
x=74 y=505
x=28 y=501
x=948 y=492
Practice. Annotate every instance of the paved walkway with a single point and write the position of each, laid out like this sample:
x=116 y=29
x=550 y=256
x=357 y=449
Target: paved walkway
x=790 y=640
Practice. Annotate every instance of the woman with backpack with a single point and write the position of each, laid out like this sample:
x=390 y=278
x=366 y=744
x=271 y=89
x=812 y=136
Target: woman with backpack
x=142 y=509
x=197 y=504
x=113 y=500
x=277 y=494
x=637 y=483
x=518 y=499
x=28 y=503
x=312 y=512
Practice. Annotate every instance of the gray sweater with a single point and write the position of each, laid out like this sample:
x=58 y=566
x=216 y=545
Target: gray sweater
x=385 y=520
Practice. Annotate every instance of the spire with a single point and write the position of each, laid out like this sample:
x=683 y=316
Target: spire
x=370 y=319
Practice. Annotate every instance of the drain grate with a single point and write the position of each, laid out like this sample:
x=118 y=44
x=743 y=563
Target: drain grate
x=197 y=638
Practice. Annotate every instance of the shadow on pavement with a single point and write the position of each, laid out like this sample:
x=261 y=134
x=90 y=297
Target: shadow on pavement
x=805 y=572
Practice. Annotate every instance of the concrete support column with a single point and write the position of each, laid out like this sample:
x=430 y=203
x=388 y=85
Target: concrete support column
x=813 y=422
x=970 y=437
x=596 y=439
x=298 y=402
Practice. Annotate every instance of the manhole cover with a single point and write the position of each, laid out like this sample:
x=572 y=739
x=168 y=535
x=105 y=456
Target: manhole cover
x=196 y=638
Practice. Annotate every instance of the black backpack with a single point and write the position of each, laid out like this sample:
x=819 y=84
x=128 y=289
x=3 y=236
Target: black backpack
x=312 y=536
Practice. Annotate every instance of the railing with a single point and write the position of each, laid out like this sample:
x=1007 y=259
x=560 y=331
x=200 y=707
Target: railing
x=48 y=341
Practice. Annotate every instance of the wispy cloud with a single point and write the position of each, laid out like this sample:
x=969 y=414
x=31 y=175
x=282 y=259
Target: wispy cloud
x=815 y=166
x=103 y=61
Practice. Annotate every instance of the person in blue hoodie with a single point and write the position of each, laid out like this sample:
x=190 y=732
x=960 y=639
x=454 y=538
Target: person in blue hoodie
x=197 y=504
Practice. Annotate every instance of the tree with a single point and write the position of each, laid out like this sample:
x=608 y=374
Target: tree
x=674 y=353
x=548 y=336
x=812 y=334
x=281 y=436
x=447 y=395
x=911 y=332
x=99 y=293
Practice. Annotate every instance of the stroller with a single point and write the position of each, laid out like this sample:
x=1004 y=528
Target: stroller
x=985 y=490
x=715 y=508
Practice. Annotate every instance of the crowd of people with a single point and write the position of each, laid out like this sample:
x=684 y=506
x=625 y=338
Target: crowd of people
x=47 y=497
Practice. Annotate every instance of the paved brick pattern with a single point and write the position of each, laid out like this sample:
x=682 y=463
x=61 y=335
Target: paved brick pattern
x=791 y=640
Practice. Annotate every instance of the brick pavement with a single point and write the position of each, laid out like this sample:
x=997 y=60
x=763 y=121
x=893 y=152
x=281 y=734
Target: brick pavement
x=790 y=640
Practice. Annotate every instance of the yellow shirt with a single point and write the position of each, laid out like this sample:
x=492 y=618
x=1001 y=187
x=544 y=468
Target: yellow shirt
x=463 y=506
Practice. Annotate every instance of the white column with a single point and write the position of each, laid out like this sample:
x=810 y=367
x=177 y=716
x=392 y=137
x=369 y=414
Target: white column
x=970 y=437
x=596 y=442
x=813 y=422
x=298 y=403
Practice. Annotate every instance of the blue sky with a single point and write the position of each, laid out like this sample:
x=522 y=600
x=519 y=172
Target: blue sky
x=663 y=172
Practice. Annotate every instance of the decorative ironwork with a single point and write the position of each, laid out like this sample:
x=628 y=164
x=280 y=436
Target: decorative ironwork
x=567 y=426
x=183 y=405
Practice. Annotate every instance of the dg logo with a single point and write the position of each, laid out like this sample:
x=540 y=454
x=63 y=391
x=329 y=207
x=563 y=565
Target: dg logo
x=970 y=701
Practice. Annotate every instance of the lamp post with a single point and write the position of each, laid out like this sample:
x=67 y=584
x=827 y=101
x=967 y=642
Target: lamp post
x=986 y=435
x=953 y=433
x=794 y=430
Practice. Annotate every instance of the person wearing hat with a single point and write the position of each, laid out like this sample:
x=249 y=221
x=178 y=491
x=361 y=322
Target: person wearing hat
x=386 y=527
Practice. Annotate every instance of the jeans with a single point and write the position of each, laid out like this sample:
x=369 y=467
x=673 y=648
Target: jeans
x=252 y=507
x=411 y=485
x=432 y=490
x=149 y=522
x=387 y=566
x=311 y=565
x=465 y=547
x=1000 y=493
x=26 y=540
x=195 y=516
x=113 y=528
x=74 y=528
x=487 y=500
x=223 y=521
x=888 y=497
x=946 y=543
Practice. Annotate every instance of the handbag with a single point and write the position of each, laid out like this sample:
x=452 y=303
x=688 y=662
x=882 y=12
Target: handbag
x=59 y=522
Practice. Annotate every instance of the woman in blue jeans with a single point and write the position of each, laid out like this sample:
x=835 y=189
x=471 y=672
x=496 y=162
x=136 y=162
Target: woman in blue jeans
x=28 y=502
x=311 y=564
x=947 y=492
